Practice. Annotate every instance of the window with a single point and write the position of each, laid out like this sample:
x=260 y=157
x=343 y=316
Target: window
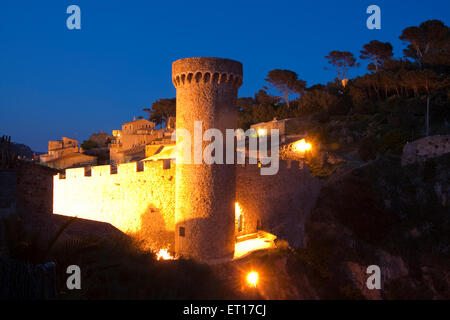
x=240 y=222
x=258 y=224
x=182 y=231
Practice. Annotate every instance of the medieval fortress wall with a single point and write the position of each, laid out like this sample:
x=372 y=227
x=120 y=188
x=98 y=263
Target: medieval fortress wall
x=136 y=200
x=207 y=90
x=141 y=199
x=190 y=206
x=280 y=203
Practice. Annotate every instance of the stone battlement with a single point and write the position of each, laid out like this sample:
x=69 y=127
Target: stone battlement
x=206 y=70
x=139 y=197
x=121 y=169
x=191 y=207
x=207 y=77
x=133 y=167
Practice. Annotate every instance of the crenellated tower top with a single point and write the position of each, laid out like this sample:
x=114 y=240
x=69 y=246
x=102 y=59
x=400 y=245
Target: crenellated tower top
x=206 y=70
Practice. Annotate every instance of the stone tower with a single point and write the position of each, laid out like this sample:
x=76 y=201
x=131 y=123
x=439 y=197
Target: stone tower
x=205 y=194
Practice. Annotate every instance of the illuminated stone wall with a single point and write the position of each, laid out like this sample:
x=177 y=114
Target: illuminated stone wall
x=280 y=202
x=135 y=200
x=207 y=90
x=141 y=201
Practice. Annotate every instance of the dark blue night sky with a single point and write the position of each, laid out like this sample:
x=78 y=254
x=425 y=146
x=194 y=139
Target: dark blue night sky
x=56 y=82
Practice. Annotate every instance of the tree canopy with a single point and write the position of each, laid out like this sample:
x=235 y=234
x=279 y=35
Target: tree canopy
x=342 y=61
x=161 y=110
x=428 y=43
x=286 y=82
x=377 y=52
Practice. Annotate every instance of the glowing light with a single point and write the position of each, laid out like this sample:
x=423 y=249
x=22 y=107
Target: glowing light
x=262 y=132
x=252 y=279
x=163 y=254
x=301 y=146
x=237 y=210
x=249 y=243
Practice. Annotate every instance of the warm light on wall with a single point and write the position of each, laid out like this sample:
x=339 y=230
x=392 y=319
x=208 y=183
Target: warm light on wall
x=163 y=254
x=262 y=132
x=252 y=279
x=248 y=243
x=122 y=199
x=302 y=146
x=237 y=210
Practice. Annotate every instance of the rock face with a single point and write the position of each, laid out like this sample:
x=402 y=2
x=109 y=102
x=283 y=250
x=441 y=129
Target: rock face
x=205 y=193
x=386 y=215
x=391 y=268
x=425 y=148
x=357 y=273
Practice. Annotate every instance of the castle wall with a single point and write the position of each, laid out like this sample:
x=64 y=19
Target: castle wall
x=132 y=140
x=26 y=190
x=34 y=189
x=135 y=200
x=116 y=155
x=72 y=160
x=205 y=193
x=151 y=149
x=281 y=202
x=133 y=126
x=143 y=202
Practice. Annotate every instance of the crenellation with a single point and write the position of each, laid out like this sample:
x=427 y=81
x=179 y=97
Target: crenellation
x=124 y=169
x=158 y=165
x=132 y=201
x=188 y=207
x=75 y=173
x=99 y=171
x=167 y=163
x=205 y=224
x=127 y=168
x=207 y=77
x=144 y=201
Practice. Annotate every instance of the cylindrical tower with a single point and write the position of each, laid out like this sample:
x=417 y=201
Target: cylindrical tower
x=205 y=193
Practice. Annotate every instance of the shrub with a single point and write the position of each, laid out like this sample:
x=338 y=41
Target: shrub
x=367 y=149
x=393 y=141
x=89 y=144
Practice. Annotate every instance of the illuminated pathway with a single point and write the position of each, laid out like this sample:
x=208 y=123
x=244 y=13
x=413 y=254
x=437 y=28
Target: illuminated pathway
x=250 y=243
